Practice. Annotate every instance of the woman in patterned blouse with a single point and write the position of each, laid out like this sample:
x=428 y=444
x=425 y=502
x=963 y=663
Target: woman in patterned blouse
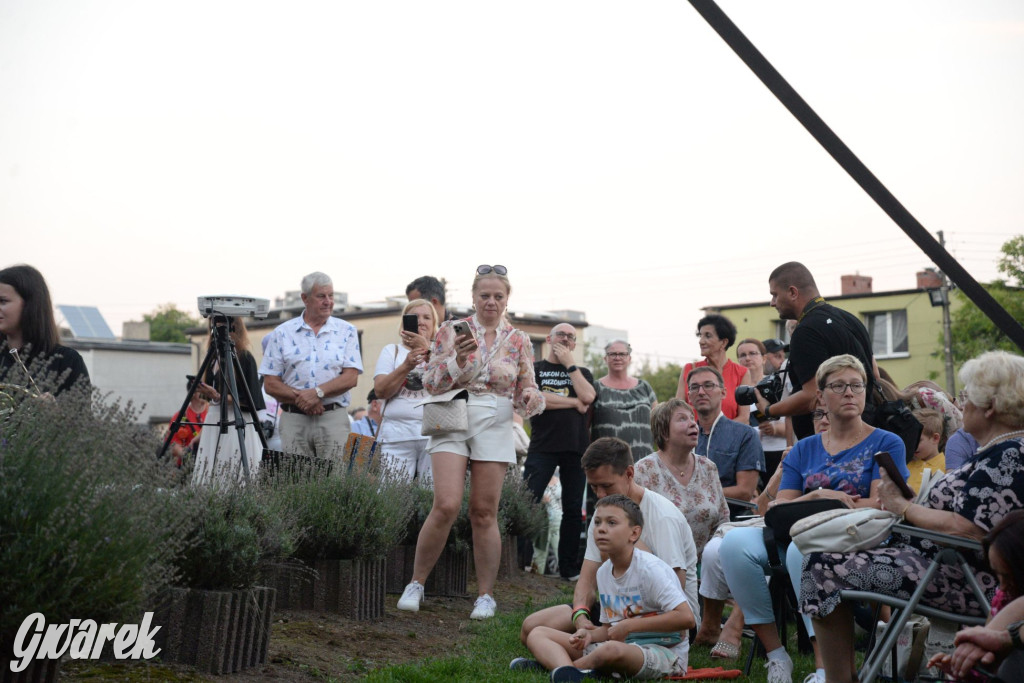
x=494 y=363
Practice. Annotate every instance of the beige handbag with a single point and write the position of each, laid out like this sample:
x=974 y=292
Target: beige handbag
x=445 y=413
x=449 y=412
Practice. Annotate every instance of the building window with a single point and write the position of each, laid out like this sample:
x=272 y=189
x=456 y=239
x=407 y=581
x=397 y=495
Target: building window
x=538 y=349
x=888 y=332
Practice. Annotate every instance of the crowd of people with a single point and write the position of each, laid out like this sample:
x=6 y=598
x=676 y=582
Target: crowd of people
x=670 y=478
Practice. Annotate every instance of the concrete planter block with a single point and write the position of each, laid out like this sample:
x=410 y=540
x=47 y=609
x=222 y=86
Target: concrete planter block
x=449 y=578
x=216 y=632
x=509 y=564
x=352 y=588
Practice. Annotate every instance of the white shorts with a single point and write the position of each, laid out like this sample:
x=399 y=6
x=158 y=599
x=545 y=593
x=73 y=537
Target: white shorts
x=489 y=436
x=407 y=459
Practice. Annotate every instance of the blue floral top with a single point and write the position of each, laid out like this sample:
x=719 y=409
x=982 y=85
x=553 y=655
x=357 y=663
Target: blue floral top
x=809 y=466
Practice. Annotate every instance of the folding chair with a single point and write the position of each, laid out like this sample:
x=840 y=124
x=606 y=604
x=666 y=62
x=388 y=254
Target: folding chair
x=904 y=609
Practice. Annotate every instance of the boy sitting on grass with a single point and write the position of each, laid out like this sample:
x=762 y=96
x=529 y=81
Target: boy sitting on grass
x=929 y=448
x=643 y=611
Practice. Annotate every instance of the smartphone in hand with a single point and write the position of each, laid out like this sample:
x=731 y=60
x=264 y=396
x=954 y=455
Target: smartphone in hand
x=886 y=462
x=410 y=323
x=461 y=328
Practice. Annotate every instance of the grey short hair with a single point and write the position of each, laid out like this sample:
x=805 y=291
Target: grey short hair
x=995 y=380
x=315 y=279
x=629 y=349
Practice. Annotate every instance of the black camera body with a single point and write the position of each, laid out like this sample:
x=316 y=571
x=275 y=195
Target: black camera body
x=771 y=388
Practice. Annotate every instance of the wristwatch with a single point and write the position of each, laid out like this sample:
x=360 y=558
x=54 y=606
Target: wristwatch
x=319 y=392
x=1014 y=630
x=571 y=369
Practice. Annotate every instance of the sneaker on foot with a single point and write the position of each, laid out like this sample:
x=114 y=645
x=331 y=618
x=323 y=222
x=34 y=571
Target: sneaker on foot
x=572 y=578
x=814 y=678
x=411 y=598
x=525 y=664
x=569 y=674
x=780 y=671
x=483 y=608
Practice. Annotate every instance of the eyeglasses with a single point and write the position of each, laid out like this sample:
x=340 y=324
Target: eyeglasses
x=497 y=270
x=706 y=386
x=819 y=414
x=616 y=354
x=565 y=335
x=840 y=387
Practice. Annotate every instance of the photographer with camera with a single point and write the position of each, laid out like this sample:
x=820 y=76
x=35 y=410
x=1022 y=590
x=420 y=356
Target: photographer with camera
x=822 y=331
x=753 y=355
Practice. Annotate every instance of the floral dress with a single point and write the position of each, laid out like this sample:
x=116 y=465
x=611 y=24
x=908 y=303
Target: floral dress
x=701 y=501
x=983 y=491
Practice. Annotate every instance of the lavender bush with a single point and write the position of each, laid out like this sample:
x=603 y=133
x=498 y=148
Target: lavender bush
x=90 y=521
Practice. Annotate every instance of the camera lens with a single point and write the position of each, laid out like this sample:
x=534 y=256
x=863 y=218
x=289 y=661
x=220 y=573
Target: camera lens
x=745 y=395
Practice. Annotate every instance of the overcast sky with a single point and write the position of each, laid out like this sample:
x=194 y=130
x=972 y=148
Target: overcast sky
x=616 y=156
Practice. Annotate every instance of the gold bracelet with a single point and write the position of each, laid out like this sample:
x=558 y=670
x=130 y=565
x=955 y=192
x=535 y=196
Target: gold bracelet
x=903 y=515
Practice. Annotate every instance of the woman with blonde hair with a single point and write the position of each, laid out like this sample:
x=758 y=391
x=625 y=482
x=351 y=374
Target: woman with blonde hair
x=399 y=381
x=493 y=362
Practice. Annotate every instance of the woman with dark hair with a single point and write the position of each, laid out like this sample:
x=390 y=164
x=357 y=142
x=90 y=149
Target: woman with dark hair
x=219 y=457
x=33 y=358
x=715 y=334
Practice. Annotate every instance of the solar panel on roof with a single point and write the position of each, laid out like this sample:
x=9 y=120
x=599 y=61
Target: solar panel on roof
x=86 y=322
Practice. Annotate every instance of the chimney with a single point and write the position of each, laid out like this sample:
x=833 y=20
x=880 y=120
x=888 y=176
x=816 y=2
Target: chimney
x=929 y=278
x=135 y=330
x=855 y=284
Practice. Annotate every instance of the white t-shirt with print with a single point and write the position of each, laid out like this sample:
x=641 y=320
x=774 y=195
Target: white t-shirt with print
x=403 y=419
x=648 y=586
x=667 y=534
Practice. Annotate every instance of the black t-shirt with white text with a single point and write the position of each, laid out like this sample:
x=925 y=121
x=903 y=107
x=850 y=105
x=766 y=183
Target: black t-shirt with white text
x=561 y=430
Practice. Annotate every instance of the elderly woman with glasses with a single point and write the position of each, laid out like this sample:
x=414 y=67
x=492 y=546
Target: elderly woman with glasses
x=969 y=501
x=715 y=334
x=493 y=362
x=837 y=463
x=624 y=403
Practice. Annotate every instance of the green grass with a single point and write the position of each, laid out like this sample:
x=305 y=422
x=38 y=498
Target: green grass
x=494 y=643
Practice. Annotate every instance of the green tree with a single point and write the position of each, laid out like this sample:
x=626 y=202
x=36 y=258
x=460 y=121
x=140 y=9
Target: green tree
x=664 y=380
x=593 y=358
x=168 y=324
x=973 y=333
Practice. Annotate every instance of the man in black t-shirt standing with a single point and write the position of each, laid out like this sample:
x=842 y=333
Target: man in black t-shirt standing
x=560 y=436
x=822 y=331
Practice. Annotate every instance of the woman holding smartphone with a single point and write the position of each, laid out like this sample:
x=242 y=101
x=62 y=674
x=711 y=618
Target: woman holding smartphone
x=493 y=361
x=399 y=381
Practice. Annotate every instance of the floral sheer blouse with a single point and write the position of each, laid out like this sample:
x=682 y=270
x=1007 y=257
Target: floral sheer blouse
x=508 y=373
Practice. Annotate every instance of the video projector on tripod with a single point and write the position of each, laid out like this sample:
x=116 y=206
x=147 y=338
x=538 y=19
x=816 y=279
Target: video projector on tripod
x=234 y=305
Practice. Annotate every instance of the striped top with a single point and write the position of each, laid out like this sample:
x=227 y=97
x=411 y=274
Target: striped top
x=625 y=414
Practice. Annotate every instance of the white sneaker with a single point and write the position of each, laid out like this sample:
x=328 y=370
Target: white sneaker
x=483 y=608
x=780 y=671
x=814 y=678
x=411 y=598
